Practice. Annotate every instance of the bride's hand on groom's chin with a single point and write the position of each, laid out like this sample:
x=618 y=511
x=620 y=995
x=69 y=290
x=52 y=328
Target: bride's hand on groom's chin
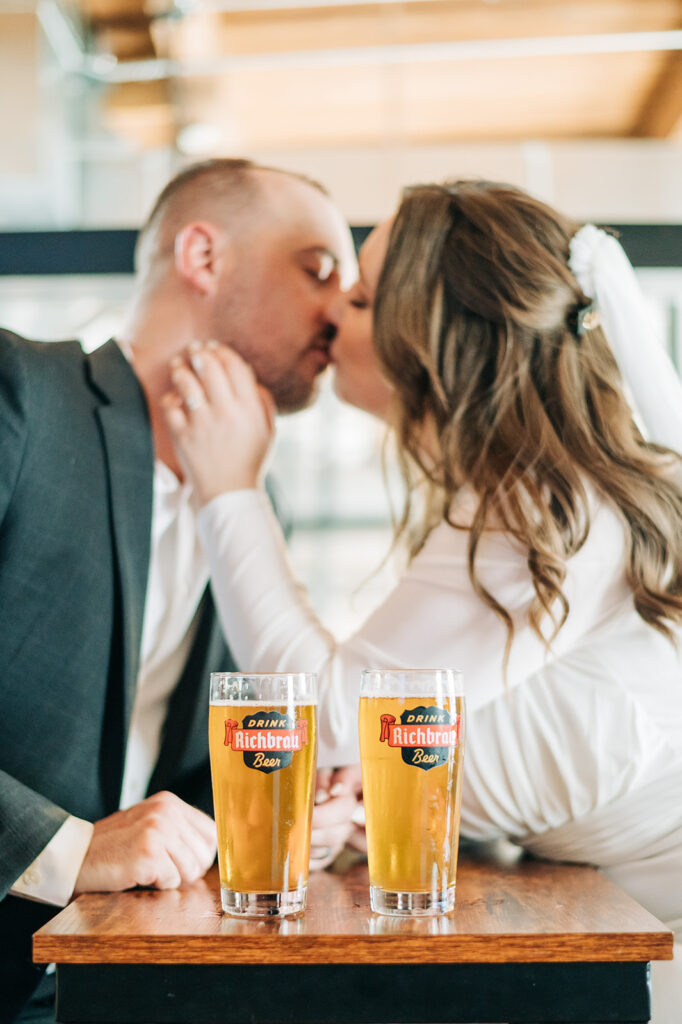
x=221 y=420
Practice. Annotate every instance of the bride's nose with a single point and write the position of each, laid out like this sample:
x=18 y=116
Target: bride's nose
x=337 y=308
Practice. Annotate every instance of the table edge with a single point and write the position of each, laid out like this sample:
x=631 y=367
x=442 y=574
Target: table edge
x=388 y=949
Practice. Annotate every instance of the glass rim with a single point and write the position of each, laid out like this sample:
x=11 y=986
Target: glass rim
x=417 y=680
x=263 y=687
x=438 y=670
x=311 y=676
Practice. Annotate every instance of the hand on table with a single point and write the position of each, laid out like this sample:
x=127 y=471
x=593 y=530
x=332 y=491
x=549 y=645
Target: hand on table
x=160 y=842
x=220 y=418
x=338 y=818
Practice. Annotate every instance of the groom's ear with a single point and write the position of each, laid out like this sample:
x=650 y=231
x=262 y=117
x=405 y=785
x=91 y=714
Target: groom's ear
x=201 y=253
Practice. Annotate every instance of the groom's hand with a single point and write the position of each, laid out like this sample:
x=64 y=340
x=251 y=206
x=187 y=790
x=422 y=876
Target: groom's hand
x=160 y=842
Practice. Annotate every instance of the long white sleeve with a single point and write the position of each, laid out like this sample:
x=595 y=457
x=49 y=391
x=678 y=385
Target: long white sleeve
x=432 y=618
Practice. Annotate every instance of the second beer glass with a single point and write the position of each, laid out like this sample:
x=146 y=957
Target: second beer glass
x=263 y=746
x=411 y=745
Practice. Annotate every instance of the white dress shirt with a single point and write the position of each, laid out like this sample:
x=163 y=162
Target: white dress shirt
x=178 y=574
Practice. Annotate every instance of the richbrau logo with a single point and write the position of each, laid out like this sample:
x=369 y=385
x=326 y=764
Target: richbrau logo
x=268 y=739
x=425 y=735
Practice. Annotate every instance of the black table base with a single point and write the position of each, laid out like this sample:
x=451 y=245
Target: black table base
x=552 y=993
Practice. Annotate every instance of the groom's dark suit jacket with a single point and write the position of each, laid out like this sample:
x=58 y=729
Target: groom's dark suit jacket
x=76 y=476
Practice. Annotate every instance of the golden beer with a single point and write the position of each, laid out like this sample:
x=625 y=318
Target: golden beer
x=262 y=766
x=412 y=751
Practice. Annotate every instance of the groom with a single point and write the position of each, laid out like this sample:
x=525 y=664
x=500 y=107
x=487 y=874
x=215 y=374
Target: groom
x=108 y=627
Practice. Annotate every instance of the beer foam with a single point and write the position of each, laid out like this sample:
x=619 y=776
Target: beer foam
x=411 y=684
x=265 y=705
x=440 y=700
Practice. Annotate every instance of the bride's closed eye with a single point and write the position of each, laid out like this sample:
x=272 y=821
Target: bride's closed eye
x=358 y=297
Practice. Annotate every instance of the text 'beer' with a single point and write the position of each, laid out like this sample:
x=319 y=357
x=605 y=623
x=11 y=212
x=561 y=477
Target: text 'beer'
x=262 y=765
x=411 y=779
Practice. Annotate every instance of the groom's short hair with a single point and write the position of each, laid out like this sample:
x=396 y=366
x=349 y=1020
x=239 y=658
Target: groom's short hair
x=225 y=189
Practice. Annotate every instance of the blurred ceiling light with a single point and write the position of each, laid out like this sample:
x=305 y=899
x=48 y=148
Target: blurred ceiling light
x=205 y=138
x=199 y=138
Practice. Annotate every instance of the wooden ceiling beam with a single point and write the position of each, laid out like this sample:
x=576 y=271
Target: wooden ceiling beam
x=127 y=41
x=121 y=23
x=661 y=112
x=110 y=10
x=463 y=20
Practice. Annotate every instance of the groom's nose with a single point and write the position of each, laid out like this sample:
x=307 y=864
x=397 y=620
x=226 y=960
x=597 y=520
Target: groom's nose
x=337 y=309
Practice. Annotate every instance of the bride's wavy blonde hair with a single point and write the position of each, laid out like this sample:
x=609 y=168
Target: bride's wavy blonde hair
x=475 y=325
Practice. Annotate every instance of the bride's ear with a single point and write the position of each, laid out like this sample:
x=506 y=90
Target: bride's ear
x=200 y=253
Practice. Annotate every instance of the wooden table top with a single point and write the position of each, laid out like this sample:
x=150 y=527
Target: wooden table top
x=530 y=911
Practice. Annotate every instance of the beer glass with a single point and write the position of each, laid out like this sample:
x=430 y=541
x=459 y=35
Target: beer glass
x=263 y=747
x=411 y=746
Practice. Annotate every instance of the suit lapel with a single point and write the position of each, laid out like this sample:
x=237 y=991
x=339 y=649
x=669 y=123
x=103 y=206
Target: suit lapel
x=127 y=440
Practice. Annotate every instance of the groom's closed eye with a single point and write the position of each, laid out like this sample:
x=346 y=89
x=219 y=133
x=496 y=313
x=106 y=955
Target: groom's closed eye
x=320 y=264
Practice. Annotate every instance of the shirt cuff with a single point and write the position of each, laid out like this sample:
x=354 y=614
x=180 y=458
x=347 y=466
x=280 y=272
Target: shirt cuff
x=52 y=875
x=241 y=511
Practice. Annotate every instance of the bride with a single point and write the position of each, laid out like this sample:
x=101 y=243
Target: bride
x=544 y=532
